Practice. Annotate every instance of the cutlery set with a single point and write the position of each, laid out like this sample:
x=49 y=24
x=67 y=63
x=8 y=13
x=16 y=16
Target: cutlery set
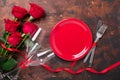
x=101 y=30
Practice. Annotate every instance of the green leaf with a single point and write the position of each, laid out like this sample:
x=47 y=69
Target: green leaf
x=0 y=49
x=2 y=60
x=2 y=39
x=9 y=64
x=4 y=35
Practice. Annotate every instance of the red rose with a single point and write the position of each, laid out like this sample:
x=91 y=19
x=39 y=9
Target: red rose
x=19 y=12
x=29 y=27
x=14 y=39
x=36 y=11
x=11 y=26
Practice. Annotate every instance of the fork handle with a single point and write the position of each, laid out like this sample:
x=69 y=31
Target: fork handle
x=92 y=56
x=88 y=55
x=90 y=52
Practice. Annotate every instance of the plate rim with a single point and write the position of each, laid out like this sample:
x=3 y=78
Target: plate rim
x=53 y=29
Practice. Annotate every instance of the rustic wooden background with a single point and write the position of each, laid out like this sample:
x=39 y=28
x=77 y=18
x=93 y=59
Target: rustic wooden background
x=90 y=11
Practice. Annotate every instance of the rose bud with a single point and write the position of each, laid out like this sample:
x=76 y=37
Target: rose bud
x=36 y=11
x=29 y=28
x=14 y=39
x=11 y=26
x=19 y=12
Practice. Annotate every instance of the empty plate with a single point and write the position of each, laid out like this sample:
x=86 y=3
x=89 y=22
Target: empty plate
x=71 y=39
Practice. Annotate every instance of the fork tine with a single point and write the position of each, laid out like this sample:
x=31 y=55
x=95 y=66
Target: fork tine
x=102 y=29
x=99 y=24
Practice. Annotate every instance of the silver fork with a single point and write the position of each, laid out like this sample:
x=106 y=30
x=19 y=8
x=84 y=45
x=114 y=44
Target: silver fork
x=98 y=26
x=99 y=34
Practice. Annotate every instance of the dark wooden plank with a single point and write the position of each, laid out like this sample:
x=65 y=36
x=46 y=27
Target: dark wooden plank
x=90 y=11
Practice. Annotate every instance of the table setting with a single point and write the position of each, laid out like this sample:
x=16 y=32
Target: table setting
x=44 y=41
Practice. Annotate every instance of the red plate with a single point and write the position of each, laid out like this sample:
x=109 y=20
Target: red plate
x=71 y=39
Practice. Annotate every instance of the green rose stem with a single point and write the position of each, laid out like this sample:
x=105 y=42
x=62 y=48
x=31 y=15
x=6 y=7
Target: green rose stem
x=25 y=37
x=5 y=40
x=30 y=19
x=15 y=19
x=6 y=50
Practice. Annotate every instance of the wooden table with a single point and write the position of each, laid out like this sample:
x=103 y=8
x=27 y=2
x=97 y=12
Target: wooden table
x=90 y=11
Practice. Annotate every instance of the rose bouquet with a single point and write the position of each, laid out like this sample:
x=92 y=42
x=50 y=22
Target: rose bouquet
x=17 y=33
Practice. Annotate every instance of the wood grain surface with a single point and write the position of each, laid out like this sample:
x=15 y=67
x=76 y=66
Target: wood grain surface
x=90 y=11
